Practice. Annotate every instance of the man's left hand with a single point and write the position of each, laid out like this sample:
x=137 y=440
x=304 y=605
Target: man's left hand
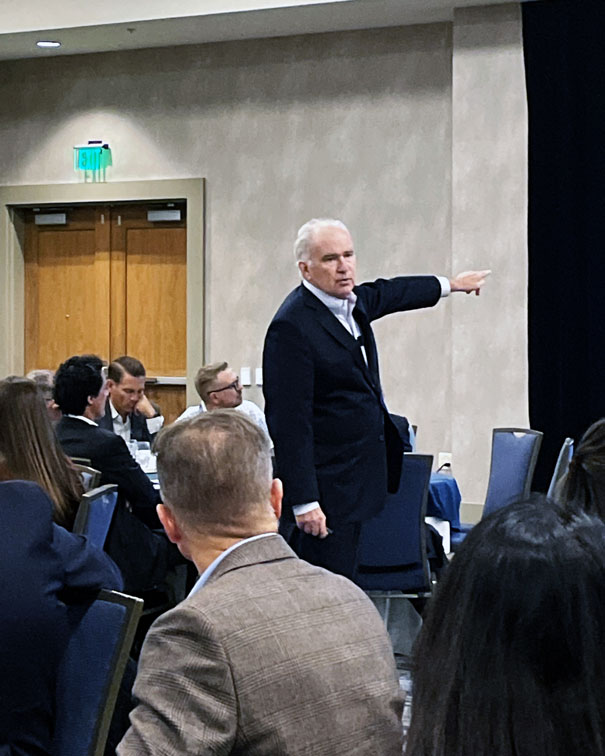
x=470 y=280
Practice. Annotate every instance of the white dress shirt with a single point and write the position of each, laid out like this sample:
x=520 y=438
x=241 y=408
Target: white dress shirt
x=253 y=411
x=86 y=419
x=122 y=427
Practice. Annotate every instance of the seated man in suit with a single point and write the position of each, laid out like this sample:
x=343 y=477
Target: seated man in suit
x=81 y=392
x=128 y=412
x=219 y=388
x=268 y=655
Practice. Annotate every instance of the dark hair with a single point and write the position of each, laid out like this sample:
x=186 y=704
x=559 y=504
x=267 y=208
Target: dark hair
x=29 y=449
x=76 y=379
x=583 y=488
x=122 y=365
x=509 y=661
x=215 y=470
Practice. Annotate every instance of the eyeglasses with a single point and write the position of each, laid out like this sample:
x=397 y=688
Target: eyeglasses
x=234 y=385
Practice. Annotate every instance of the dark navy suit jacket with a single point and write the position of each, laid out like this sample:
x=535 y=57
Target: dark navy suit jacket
x=334 y=440
x=43 y=571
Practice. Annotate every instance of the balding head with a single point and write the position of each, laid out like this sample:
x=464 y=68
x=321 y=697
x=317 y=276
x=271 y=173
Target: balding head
x=215 y=474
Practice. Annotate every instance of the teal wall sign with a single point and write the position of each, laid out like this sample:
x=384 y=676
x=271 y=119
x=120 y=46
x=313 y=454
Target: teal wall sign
x=92 y=160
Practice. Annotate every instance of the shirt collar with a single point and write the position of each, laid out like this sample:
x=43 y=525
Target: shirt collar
x=334 y=304
x=205 y=576
x=83 y=417
x=116 y=417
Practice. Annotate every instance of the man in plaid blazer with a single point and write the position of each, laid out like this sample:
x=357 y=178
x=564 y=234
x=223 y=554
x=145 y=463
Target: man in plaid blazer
x=269 y=655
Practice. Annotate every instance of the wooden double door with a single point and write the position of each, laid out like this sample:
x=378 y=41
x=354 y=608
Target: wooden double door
x=108 y=281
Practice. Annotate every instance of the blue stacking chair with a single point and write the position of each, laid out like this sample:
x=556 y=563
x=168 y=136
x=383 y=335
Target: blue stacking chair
x=90 y=673
x=514 y=456
x=95 y=513
x=392 y=548
x=561 y=467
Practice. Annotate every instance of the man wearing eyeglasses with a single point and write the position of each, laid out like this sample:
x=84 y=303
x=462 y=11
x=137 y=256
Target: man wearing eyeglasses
x=219 y=388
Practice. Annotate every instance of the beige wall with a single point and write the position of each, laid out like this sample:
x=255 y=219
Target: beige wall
x=357 y=125
x=489 y=223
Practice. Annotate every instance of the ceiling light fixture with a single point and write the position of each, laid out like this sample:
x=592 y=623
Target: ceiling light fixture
x=47 y=43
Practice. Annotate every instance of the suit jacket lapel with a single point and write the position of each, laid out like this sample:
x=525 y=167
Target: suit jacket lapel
x=331 y=324
x=369 y=344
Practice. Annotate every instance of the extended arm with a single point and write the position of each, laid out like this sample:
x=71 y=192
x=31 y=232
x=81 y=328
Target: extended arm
x=385 y=296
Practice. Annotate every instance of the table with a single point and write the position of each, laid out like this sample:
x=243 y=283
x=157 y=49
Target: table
x=444 y=499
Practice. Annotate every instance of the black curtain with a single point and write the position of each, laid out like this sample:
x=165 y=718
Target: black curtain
x=564 y=44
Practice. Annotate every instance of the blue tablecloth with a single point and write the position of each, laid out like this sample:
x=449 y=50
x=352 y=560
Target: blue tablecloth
x=444 y=499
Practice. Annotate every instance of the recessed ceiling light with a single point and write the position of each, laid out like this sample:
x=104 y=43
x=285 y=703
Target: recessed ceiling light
x=47 y=43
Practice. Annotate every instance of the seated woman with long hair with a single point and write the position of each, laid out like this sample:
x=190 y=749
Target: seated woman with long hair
x=510 y=660
x=29 y=449
x=583 y=488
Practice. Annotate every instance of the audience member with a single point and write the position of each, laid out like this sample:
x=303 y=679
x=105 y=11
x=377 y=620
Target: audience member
x=220 y=388
x=44 y=572
x=583 y=488
x=81 y=392
x=128 y=412
x=44 y=381
x=29 y=449
x=268 y=655
x=509 y=661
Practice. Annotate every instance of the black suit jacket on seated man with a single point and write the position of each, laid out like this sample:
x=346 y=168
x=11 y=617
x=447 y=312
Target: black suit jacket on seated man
x=142 y=556
x=334 y=440
x=138 y=425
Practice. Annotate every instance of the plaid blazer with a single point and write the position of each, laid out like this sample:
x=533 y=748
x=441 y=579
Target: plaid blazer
x=273 y=656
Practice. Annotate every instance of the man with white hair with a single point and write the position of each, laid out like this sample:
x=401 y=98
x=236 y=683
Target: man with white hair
x=336 y=447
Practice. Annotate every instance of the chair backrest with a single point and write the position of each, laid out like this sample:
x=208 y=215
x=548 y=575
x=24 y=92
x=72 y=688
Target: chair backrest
x=95 y=513
x=89 y=476
x=81 y=461
x=392 y=548
x=561 y=466
x=90 y=673
x=514 y=456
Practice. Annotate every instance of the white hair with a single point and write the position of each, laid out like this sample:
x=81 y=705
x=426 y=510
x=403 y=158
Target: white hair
x=306 y=235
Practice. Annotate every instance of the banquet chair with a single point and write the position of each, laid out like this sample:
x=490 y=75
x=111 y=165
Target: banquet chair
x=514 y=456
x=90 y=673
x=392 y=549
x=89 y=476
x=393 y=559
x=561 y=466
x=81 y=461
x=95 y=513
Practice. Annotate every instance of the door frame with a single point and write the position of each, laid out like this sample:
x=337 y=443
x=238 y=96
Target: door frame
x=12 y=268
